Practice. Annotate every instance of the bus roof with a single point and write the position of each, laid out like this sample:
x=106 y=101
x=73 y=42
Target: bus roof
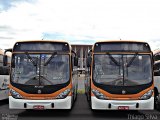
x=101 y=41
x=60 y=41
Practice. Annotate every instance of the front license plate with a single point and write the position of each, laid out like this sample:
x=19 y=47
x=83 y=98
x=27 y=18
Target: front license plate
x=123 y=107
x=38 y=107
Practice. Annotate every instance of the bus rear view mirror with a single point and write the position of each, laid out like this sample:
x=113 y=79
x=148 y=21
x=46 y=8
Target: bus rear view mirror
x=157 y=69
x=13 y=63
x=75 y=61
x=157 y=73
x=5 y=60
x=89 y=59
x=157 y=57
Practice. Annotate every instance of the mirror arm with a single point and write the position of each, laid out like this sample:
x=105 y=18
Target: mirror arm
x=74 y=52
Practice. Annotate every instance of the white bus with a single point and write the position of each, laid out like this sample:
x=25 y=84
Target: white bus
x=4 y=76
x=43 y=75
x=120 y=76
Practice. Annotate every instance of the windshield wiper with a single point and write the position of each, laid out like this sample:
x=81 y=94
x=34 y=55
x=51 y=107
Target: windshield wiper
x=115 y=61
x=46 y=80
x=133 y=58
x=34 y=63
x=52 y=56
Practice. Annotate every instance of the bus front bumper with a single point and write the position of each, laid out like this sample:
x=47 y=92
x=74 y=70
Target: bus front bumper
x=40 y=104
x=122 y=104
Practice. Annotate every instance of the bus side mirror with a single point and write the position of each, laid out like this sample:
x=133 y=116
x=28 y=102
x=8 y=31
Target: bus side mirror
x=5 y=60
x=75 y=61
x=89 y=60
x=157 y=57
x=157 y=73
x=156 y=69
x=13 y=63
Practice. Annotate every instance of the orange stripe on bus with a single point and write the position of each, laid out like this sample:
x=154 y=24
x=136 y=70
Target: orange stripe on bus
x=40 y=96
x=122 y=97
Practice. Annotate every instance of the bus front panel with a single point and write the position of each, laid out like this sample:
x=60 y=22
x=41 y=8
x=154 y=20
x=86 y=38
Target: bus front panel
x=122 y=81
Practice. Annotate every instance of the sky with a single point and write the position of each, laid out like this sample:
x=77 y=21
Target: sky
x=79 y=21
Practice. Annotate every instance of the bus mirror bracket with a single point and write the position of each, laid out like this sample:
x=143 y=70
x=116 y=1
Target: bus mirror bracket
x=5 y=60
x=75 y=61
x=75 y=58
x=5 y=57
x=89 y=59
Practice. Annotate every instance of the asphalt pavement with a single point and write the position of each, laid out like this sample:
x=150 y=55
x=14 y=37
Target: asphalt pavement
x=79 y=111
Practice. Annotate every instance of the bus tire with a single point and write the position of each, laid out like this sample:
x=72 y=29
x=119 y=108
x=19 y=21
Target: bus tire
x=76 y=93
x=88 y=96
x=156 y=99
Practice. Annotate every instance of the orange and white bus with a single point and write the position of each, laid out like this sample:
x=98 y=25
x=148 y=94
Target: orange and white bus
x=120 y=76
x=4 y=75
x=43 y=75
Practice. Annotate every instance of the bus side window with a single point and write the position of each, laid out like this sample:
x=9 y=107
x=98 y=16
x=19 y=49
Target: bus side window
x=157 y=69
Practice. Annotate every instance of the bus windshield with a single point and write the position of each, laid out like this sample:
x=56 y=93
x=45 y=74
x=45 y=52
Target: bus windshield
x=40 y=69
x=122 y=69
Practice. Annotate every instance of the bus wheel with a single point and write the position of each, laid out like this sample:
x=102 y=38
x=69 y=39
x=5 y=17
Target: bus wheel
x=88 y=97
x=156 y=101
x=75 y=95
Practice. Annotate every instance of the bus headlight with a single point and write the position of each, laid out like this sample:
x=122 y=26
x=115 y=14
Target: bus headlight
x=15 y=94
x=98 y=94
x=147 y=95
x=63 y=94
